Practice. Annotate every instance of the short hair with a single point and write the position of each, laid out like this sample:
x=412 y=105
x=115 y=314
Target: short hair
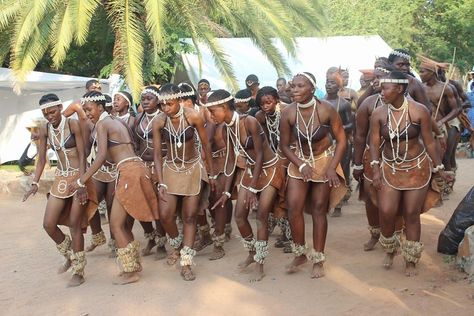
x=221 y=94
x=89 y=83
x=281 y=79
x=399 y=75
x=91 y=94
x=186 y=87
x=392 y=56
x=264 y=92
x=203 y=81
x=50 y=97
x=243 y=94
x=169 y=88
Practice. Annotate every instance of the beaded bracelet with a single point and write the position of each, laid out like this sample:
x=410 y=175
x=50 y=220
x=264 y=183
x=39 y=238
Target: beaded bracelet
x=374 y=162
x=35 y=183
x=227 y=194
x=162 y=185
x=358 y=167
x=438 y=168
x=252 y=190
x=80 y=184
x=300 y=168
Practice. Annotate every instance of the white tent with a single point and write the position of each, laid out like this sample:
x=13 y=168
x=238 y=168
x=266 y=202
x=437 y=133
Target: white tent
x=19 y=110
x=313 y=54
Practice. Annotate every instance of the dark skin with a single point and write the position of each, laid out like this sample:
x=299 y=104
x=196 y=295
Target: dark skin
x=167 y=201
x=203 y=89
x=280 y=85
x=297 y=190
x=149 y=104
x=348 y=93
x=121 y=108
x=242 y=107
x=344 y=109
x=247 y=200
x=55 y=206
x=447 y=108
x=390 y=200
x=108 y=129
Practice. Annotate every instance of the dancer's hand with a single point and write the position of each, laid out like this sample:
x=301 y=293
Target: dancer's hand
x=162 y=193
x=307 y=173
x=250 y=201
x=357 y=174
x=332 y=178
x=81 y=195
x=377 y=179
x=32 y=191
x=73 y=187
x=221 y=202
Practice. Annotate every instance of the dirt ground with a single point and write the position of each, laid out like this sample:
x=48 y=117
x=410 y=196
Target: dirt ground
x=355 y=282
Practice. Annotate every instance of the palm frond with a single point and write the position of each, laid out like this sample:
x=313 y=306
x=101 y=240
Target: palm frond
x=82 y=12
x=129 y=30
x=26 y=22
x=9 y=9
x=155 y=15
x=62 y=34
x=30 y=52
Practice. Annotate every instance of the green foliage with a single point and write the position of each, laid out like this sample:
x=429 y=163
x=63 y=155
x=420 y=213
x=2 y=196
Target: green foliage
x=145 y=46
x=431 y=27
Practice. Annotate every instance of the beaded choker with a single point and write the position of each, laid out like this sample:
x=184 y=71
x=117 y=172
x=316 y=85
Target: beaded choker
x=307 y=105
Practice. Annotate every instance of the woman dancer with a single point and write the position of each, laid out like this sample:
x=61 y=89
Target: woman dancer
x=179 y=174
x=269 y=117
x=135 y=194
x=314 y=171
x=261 y=180
x=64 y=207
x=402 y=169
x=143 y=135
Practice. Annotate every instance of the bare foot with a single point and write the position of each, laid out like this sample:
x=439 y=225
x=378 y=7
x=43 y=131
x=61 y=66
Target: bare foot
x=126 y=278
x=388 y=260
x=337 y=212
x=187 y=273
x=173 y=258
x=258 y=273
x=64 y=267
x=244 y=264
x=149 y=247
x=318 y=271
x=202 y=243
x=76 y=280
x=297 y=261
x=217 y=253
x=370 y=245
x=160 y=253
x=410 y=269
x=91 y=247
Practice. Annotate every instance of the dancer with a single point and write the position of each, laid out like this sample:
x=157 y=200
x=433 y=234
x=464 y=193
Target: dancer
x=334 y=85
x=242 y=101
x=72 y=208
x=261 y=180
x=314 y=171
x=179 y=174
x=269 y=118
x=135 y=194
x=143 y=136
x=402 y=169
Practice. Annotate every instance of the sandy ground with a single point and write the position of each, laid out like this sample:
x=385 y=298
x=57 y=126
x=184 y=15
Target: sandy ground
x=355 y=283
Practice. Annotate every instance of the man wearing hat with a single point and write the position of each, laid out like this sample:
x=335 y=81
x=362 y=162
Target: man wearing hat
x=252 y=84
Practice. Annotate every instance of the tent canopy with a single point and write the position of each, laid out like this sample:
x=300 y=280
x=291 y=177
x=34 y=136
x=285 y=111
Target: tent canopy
x=19 y=110
x=313 y=54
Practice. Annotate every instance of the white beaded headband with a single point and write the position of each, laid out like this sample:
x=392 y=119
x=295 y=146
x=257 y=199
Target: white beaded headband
x=389 y=80
x=148 y=90
x=168 y=97
x=125 y=97
x=237 y=100
x=187 y=94
x=108 y=104
x=218 y=102
x=382 y=70
x=93 y=99
x=400 y=54
x=50 y=104
x=307 y=77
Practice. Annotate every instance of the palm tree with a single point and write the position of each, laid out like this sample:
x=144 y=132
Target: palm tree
x=29 y=29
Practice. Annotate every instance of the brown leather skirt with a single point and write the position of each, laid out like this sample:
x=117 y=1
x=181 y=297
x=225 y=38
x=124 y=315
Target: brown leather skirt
x=60 y=189
x=366 y=189
x=151 y=167
x=320 y=165
x=272 y=175
x=413 y=175
x=135 y=191
x=107 y=173
x=186 y=181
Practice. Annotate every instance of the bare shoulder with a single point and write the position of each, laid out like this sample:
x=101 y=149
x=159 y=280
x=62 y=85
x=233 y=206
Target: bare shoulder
x=260 y=116
x=418 y=107
x=288 y=111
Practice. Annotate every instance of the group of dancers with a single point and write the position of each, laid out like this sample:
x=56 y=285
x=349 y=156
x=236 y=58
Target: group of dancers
x=188 y=154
